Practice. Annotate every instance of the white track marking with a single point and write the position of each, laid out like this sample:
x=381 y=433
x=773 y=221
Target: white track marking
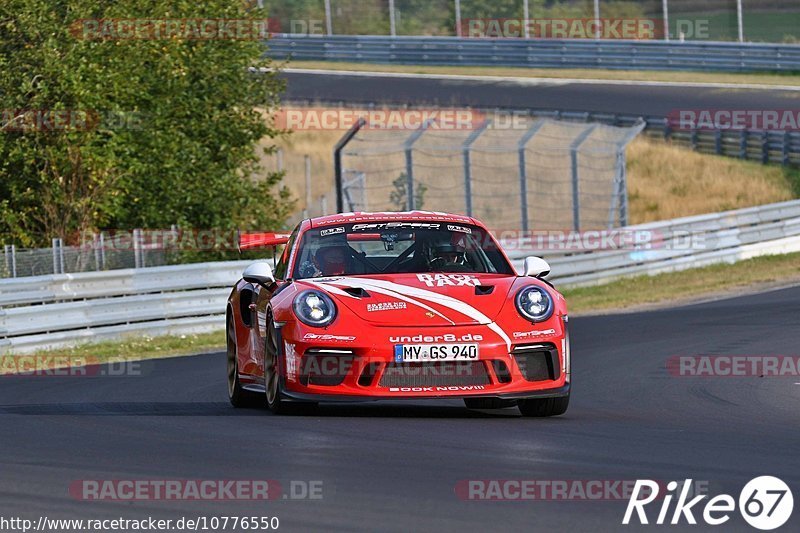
x=544 y=81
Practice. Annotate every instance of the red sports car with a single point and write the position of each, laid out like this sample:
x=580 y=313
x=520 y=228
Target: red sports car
x=389 y=306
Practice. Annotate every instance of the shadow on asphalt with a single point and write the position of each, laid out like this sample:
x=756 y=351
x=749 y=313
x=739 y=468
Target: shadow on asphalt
x=372 y=410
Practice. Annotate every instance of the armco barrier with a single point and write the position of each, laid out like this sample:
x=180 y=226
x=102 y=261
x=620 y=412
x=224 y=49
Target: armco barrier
x=52 y=311
x=540 y=53
x=723 y=237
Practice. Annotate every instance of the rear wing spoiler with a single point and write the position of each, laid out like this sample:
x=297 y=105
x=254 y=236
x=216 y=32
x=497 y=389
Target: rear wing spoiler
x=252 y=241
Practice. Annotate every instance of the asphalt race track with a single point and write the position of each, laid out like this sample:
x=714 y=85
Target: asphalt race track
x=395 y=466
x=628 y=99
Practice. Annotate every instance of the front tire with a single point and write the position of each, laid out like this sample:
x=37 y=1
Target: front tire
x=238 y=396
x=544 y=407
x=272 y=379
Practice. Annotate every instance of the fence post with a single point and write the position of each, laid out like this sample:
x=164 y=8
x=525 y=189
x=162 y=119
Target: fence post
x=458 y=18
x=337 y=162
x=409 y=149
x=10 y=252
x=765 y=148
x=58 y=256
x=409 y=179
x=279 y=159
x=465 y=150
x=597 y=34
x=526 y=14
x=739 y=20
x=328 y=21
x=523 y=171
x=621 y=179
x=137 y=248
x=96 y=252
x=576 y=195
x=392 y=19
x=102 y=251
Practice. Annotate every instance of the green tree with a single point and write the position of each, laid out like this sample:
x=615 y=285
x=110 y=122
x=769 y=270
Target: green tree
x=173 y=122
x=399 y=196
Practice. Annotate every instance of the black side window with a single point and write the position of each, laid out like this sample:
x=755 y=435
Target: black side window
x=283 y=264
x=245 y=299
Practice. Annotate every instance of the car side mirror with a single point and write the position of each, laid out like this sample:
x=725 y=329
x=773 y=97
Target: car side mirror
x=259 y=273
x=536 y=267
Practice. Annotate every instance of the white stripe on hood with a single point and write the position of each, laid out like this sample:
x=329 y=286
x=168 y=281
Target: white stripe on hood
x=398 y=290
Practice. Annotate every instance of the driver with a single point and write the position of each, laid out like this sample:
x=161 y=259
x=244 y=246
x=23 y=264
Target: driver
x=447 y=255
x=332 y=260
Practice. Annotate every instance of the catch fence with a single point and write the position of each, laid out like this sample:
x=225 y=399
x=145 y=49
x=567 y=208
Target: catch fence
x=525 y=173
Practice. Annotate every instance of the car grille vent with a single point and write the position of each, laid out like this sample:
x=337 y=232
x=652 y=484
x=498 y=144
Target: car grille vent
x=435 y=374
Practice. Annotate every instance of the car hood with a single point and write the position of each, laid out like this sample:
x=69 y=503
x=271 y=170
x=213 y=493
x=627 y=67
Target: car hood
x=420 y=300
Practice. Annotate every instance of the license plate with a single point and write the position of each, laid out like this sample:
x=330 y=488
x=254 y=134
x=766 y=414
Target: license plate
x=414 y=353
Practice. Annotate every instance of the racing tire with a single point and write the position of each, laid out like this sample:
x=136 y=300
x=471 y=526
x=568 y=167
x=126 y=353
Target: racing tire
x=488 y=403
x=238 y=396
x=544 y=407
x=273 y=386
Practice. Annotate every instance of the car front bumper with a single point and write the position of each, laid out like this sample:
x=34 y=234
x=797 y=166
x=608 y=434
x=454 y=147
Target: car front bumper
x=339 y=367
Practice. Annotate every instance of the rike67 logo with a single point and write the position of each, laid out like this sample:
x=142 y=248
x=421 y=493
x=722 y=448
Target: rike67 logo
x=766 y=503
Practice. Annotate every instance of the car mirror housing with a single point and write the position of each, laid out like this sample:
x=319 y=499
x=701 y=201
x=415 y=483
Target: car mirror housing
x=536 y=267
x=260 y=273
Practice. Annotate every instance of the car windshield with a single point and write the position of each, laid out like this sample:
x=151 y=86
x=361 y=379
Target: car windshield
x=397 y=248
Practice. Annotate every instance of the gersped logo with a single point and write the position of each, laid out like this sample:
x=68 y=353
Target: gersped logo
x=766 y=503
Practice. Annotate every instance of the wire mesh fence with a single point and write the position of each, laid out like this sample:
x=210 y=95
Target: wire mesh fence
x=102 y=252
x=726 y=20
x=540 y=173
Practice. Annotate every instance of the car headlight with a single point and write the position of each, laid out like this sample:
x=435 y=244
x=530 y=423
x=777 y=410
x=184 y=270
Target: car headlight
x=535 y=304
x=314 y=308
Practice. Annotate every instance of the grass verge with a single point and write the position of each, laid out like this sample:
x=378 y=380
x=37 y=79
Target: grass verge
x=580 y=74
x=687 y=286
x=138 y=349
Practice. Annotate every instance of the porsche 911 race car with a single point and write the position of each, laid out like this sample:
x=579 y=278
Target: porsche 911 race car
x=388 y=306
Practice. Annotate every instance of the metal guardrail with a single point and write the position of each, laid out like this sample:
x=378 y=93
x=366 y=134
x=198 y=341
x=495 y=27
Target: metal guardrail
x=541 y=53
x=718 y=238
x=52 y=311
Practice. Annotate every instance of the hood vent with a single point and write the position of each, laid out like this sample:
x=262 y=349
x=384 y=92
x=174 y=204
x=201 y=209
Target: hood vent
x=358 y=292
x=484 y=290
